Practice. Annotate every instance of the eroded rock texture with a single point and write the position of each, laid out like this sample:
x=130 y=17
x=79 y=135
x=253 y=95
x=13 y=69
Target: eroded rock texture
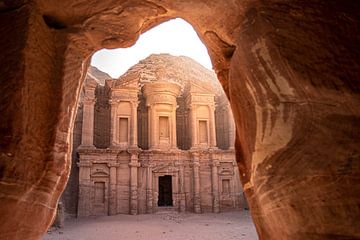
x=291 y=71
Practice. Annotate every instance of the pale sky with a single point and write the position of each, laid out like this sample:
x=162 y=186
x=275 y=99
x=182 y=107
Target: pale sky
x=175 y=37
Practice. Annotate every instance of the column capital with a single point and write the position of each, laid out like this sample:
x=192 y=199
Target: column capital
x=135 y=103
x=114 y=101
x=113 y=165
x=88 y=100
x=84 y=164
x=134 y=164
x=192 y=107
x=147 y=165
x=195 y=164
x=134 y=154
x=195 y=156
x=179 y=164
x=215 y=163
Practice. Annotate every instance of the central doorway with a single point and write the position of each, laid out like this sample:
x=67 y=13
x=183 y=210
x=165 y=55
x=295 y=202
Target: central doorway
x=165 y=191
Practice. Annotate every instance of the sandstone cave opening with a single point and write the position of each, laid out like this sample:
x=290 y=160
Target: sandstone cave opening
x=161 y=134
x=295 y=65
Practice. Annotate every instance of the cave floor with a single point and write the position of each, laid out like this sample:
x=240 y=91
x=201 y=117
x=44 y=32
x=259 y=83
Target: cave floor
x=159 y=226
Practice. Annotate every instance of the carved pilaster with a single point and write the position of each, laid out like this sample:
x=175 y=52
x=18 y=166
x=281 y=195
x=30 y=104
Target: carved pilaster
x=215 y=185
x=212 y=126
x=113 y=186
x=87 y=135
x=193 y=127
x=182 y=199
x=84 y=189
x=134 y=126
x=173 y=130
x=134 y=164
x=113 y=103
x=152 y=127
x=149 y=200
x=197 y=198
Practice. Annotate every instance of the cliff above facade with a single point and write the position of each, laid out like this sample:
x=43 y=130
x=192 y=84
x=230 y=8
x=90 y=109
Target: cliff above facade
x=167 y=68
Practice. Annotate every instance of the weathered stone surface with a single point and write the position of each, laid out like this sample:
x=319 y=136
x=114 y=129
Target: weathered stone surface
x=148 y=138
x=291 y=71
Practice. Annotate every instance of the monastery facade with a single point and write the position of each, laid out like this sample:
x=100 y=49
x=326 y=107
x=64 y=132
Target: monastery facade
x=160 y=136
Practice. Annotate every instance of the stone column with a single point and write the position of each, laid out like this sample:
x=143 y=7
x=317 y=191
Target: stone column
x=215 y=185
x=175 y=190
x=232 y=128
x=133 y=128
x=173 y=128
x=197 y=198
x=134 y=184
x=84 y=189
x=113 y=140
x=212 y=126
x=113 y=187
x=152 y=127
x=193 y=127
x=182 y=188
x=87 y=136
x=149 y=200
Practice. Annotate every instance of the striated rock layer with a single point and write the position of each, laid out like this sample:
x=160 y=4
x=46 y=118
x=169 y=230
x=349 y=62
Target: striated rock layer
x=291 y=72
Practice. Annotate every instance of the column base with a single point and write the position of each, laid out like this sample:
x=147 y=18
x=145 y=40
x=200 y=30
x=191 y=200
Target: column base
x=86 y=147
x=134 y=147
x=197 y=209
x=216 y=206
x=182 y=206
x=115 y=146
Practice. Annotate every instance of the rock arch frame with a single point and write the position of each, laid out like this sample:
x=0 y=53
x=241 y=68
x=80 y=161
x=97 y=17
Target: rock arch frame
x=293 y=66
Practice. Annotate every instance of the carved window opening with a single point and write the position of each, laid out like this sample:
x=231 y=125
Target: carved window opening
x=164 y=132
x=123 y=130
x=99 y=192
x=203 y=132
x=226 y=186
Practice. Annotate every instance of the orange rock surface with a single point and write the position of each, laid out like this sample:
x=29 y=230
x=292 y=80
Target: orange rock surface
x=291 y=72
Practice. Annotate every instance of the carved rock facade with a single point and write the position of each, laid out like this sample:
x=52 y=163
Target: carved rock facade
x=162 y=146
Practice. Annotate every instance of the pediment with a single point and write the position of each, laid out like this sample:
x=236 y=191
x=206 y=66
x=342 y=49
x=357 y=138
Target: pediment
x=201 y=88
x=226 y=171
x=123 y=154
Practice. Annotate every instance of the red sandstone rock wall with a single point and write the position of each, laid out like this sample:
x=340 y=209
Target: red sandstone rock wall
x=291 y=71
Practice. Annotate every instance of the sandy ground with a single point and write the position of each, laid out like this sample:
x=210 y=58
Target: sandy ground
x=159 y=226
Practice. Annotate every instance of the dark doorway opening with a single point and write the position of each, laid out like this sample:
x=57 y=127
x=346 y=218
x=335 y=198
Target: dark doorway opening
x=165 y=191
